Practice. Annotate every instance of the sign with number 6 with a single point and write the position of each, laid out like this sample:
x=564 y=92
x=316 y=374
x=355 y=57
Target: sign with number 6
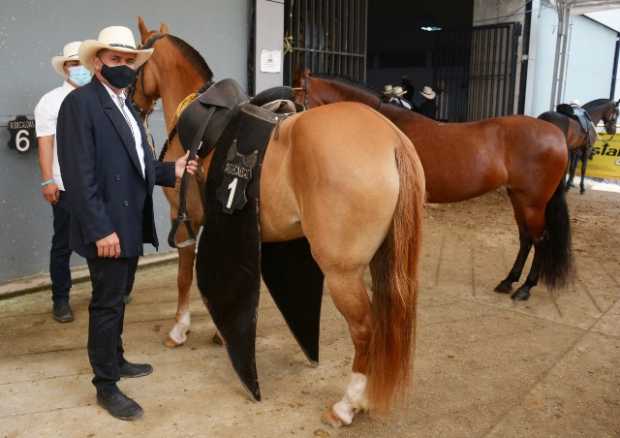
x=23 y=135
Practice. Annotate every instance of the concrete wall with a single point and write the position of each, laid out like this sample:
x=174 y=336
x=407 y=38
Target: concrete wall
x=33 y=31
x=269 y=36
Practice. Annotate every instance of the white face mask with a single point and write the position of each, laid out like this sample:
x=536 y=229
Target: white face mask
x=79 y=75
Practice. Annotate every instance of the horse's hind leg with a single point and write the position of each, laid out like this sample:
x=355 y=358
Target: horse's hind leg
x=350 y=296
x=185 y=276
x=584 y=166
x=573 y=160
x=535 y=224
x=525 y=244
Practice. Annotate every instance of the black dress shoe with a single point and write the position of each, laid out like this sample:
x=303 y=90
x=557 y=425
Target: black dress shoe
x=129 y=369
x=62 y=312
x=119 y=405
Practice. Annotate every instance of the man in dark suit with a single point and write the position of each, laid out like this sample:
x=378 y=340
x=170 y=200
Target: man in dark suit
x=109 y=173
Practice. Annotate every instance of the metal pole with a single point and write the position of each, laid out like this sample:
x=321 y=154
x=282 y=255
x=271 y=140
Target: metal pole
x=564 y=59
x=558 y=48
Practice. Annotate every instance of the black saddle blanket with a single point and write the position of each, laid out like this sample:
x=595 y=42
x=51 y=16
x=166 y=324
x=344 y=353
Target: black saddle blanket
x=231 y=256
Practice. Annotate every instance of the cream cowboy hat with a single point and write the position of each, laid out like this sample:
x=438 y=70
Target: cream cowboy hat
x=398 y=91
x=388 y=89
x=428 y=92
x=118 y=38
x=69 y=53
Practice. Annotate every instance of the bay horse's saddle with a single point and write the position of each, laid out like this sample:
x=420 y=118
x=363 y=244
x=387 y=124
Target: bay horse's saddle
x=577 y=113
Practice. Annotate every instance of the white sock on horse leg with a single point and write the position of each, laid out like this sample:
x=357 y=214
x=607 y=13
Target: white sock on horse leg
x=354 y=399
x=179 y=332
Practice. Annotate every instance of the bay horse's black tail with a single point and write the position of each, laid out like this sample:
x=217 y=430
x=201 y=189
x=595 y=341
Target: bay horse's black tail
x=556 y=262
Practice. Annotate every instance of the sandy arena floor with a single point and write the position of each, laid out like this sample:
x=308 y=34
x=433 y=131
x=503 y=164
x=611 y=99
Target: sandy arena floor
x=485 y=366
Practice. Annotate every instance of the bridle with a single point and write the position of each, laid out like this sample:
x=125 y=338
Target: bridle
x=146 y=113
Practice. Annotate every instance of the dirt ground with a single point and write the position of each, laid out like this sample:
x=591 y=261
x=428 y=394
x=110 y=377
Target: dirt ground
x=485 y=366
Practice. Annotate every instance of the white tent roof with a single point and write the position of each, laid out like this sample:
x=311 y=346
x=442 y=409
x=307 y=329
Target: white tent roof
x=579 y=7
x=565 y=8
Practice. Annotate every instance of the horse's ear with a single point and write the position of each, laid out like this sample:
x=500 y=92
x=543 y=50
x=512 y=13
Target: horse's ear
x=163 y=28
x=144 y=32
x=617 y=102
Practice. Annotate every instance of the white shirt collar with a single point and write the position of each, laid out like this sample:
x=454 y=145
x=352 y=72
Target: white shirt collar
x=113 y=94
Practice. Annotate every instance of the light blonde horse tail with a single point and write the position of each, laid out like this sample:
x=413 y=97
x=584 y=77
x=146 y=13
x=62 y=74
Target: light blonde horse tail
x=395 y=279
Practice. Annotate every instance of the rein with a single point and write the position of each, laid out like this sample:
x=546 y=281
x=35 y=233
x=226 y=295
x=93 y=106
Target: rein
x=182 y=216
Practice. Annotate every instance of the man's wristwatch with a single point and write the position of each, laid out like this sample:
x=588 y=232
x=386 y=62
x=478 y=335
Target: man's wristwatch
x=47 y=182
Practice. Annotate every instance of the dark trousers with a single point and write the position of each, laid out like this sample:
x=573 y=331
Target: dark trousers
x=111 y=279
x=60 y=254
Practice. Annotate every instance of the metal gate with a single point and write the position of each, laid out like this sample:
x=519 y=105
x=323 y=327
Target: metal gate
x=475 y=72
x=326 y=36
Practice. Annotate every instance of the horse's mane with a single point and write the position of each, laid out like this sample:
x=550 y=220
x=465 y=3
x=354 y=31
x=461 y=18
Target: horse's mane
x=193 y=56
x=347 y=82
x=595 y=103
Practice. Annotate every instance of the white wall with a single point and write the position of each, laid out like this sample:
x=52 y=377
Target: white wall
x=590 y=61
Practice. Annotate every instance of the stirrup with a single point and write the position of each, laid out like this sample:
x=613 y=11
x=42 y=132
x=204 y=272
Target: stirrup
x=191 y=240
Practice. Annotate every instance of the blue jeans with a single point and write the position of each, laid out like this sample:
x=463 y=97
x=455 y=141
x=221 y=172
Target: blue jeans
x=60 y=254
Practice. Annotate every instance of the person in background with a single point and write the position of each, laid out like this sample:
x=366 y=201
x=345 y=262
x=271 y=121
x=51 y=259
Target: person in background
x=394 y=95
x=75 y=75
x=427 y=106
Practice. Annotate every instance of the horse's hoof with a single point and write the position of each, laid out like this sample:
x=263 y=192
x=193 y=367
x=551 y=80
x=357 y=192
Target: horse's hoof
x=581 y=192
x=331 y=419
x=171 y=343
x=521 y=295
x=217 y=340
x=504 y=287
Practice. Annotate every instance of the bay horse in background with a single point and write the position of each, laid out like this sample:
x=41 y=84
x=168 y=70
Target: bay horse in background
x=349 y=181
x=580 y=143
x=465 y=160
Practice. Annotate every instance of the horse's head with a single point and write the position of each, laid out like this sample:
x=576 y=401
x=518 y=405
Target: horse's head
x=173 y=72
x=303 y=85
x=610 y=117
x=145 y=90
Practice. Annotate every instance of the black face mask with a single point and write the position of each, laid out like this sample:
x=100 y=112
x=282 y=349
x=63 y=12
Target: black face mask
x=121 y=76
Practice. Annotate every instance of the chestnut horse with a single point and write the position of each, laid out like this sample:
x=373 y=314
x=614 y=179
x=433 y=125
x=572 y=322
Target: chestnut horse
x=580 y=144
x=349 y=181
x=465 y=160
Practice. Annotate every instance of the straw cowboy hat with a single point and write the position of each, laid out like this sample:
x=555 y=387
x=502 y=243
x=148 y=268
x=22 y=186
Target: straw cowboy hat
x=428 y=92
x=117 y=38
x=398 y=91
x=69 y=53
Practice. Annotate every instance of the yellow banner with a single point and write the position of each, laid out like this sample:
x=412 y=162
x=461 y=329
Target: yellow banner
x=606 y=161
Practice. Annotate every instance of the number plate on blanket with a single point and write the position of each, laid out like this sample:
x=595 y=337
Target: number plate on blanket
x=238 y=172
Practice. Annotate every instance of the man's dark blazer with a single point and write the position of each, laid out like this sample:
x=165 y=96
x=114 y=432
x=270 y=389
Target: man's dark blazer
x=102 y=175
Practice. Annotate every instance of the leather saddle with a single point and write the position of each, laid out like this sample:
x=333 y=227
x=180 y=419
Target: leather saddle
x=206 y=118
x=577 y=113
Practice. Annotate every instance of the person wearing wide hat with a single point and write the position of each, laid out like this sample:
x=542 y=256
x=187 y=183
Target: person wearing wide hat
x=428 y=105
x=394 y=95
x=109 y=173
x=74 y=75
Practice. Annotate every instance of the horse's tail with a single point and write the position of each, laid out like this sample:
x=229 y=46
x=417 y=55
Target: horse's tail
x=394 y=278
x=556 y=262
